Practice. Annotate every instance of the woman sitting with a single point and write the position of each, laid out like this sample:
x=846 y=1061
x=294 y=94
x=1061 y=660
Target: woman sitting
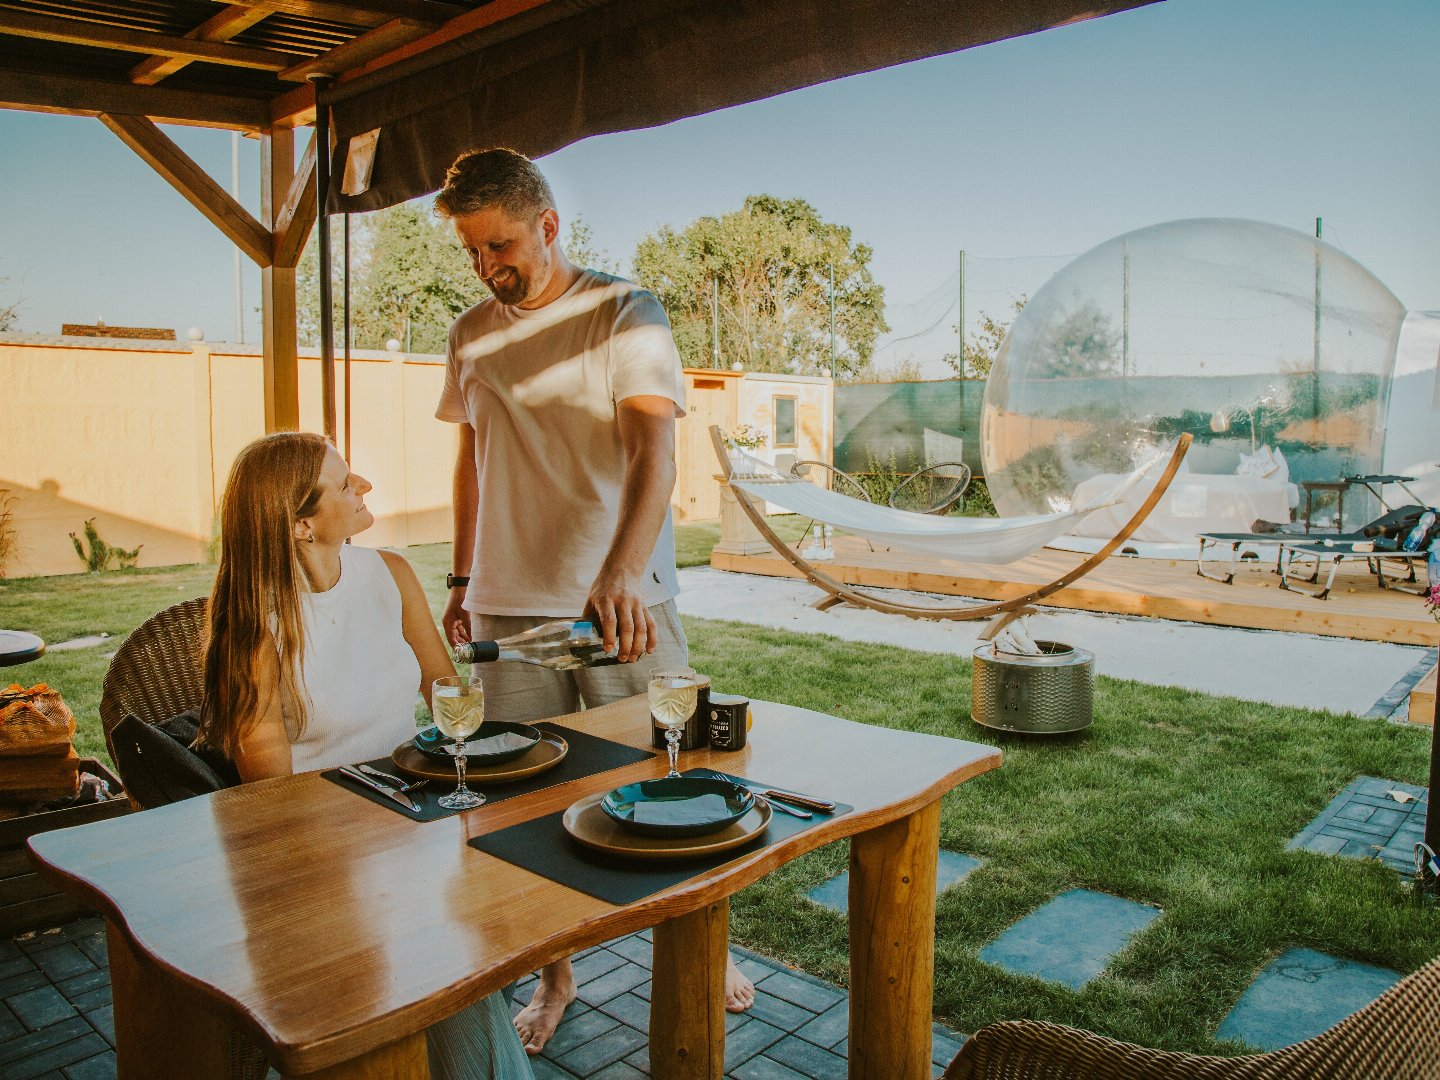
x=315 y=652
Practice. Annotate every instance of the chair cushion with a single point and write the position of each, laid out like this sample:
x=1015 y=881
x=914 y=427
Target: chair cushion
x=157 y=765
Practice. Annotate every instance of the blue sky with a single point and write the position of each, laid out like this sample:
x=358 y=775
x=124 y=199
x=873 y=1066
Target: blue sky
x=1023 y=153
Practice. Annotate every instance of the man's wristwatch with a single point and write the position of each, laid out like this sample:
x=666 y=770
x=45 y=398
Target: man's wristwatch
x=453 y=580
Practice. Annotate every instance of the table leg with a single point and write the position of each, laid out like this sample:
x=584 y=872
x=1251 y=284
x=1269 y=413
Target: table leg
x=160 y=1030
x=687 y=994
x=892 y=947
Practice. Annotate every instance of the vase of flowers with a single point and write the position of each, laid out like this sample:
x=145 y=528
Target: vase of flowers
x=744 y=437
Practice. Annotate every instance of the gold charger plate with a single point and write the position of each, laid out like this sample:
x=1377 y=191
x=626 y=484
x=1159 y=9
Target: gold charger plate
x=546 y=754
x=590 y=825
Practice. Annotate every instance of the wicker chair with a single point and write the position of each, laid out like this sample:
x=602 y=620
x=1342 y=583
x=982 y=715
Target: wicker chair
x=155 y=675
x=932 y=490
x=1395 y=1037
x=837 y=479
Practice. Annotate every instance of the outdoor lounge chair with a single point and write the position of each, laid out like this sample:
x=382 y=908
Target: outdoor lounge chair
x=155 y=676
x=932 y=490
x=1392 y=525
x=994 y=540
x=1396 y=1036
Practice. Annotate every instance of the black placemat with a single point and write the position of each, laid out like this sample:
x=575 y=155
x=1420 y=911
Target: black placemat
x=543 y=847
x=588 y=755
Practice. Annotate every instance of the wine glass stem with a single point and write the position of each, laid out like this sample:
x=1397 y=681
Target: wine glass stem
x=672 y=743
x=460 y=763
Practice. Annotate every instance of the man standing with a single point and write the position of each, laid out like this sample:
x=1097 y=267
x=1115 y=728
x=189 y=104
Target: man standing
x=566 y=386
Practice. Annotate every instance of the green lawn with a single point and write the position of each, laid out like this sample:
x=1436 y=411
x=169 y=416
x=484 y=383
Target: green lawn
x=1175 y=799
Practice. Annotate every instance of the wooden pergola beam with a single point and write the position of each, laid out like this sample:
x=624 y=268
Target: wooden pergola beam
x=75 y=32
x=232 y=20
x=194 y=184
x=277 y=287
x=43 y=91
x=296 y=216
x=363 y=12
x=298 y=105
x=359 y=50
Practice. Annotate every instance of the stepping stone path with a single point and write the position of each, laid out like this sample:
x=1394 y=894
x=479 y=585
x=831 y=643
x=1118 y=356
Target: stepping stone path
x=952 y=869
x=1365 y=821
x=1071 y=939
x=1299 y=994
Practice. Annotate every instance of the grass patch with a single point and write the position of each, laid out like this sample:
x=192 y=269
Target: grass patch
x=1173 y=798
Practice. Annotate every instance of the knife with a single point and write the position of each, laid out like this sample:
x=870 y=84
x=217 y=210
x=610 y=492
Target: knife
x=384 y=789
x=759 y=789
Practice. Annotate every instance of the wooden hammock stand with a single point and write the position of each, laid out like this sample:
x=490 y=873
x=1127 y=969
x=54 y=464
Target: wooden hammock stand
x=840 y=593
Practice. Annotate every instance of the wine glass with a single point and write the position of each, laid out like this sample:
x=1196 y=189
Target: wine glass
x=458 y=705
x=672 y=701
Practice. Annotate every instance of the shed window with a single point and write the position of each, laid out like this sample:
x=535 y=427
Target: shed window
x=785 y=421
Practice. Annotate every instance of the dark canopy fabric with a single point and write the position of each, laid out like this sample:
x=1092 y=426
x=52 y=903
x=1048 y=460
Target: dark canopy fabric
x=568 y=69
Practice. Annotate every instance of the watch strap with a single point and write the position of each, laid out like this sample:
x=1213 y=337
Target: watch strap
x=454 y=580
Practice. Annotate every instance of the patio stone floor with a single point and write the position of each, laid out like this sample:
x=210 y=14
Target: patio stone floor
x=1365 y=821
x=56 y=1020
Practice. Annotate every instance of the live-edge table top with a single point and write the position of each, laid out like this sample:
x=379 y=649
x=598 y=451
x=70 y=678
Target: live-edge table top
x=327 y=925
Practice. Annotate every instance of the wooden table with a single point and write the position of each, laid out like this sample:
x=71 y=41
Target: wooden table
x=335 y=931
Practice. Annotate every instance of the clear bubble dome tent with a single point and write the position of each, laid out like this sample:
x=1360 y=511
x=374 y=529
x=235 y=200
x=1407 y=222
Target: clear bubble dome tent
x=1273 y=349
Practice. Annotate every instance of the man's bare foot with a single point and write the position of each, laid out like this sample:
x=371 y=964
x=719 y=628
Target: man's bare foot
x=739 y=991
x=537 y=1021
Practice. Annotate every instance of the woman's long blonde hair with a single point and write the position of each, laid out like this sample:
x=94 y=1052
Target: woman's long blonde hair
x=255 y=605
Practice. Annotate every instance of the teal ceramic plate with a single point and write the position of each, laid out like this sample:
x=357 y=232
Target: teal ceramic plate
x=676 y=796
x=433 y=744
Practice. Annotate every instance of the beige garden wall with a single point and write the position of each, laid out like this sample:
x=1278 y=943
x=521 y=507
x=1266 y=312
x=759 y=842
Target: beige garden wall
x=140 y=437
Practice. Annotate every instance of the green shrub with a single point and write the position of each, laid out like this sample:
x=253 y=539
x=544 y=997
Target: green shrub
x=101 y=555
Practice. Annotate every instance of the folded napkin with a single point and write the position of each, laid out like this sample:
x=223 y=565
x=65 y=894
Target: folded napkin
x=695 y=811
x=495 y=744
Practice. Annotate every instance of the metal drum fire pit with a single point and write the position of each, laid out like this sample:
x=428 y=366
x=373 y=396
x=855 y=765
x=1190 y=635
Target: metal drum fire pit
x=1048 y=694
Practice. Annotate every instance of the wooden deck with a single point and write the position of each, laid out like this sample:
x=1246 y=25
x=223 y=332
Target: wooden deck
x=1158 y=588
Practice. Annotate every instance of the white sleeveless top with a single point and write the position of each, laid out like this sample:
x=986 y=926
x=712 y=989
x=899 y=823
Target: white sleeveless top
x=361 y=674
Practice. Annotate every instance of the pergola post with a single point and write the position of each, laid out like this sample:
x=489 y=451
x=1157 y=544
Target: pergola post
x=277 y=287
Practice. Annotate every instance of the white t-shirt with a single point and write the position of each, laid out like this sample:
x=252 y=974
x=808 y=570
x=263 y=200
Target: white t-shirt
x=360 y=672
x=540 y=389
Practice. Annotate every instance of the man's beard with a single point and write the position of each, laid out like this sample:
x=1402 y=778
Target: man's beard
x=515 y=291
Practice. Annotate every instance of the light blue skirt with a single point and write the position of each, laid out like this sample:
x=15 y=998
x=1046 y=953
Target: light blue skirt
x=478 y=1043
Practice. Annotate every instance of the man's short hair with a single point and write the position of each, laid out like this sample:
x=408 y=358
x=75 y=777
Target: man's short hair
x=497 y=176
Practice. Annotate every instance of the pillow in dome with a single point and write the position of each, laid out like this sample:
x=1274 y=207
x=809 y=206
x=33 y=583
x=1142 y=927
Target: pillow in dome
x=1282 y=467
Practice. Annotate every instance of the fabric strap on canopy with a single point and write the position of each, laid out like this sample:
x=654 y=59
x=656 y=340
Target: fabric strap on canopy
x=983 y=540
x=554 y=72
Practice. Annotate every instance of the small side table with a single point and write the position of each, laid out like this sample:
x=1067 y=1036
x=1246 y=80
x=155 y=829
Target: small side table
x=18 y=647
x=1312 y=487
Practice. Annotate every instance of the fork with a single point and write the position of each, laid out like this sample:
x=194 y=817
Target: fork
x=402 y=786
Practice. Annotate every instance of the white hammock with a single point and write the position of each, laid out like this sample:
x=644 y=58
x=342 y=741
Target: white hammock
x=985 y=540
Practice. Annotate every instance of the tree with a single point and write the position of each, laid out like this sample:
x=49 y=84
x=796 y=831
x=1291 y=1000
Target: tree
x=770 y=263
x=408 y=281
x=1079 y=344
x=984 y=346
x=579 y=248
x=9 y=309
